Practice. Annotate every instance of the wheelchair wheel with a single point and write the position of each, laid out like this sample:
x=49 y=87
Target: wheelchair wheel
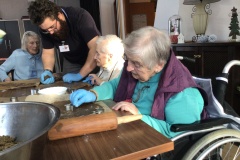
x=218 y=145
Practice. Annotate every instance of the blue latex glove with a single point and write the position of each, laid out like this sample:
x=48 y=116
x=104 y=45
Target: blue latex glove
x=82 y=96
x=88 y=80
x=1 y=40
x=70 y=77
x=47 y=77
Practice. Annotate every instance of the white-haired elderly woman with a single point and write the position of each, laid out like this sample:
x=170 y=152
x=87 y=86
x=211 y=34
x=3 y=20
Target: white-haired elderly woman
x=25 y=62
x=109 y=57
x=152 y=83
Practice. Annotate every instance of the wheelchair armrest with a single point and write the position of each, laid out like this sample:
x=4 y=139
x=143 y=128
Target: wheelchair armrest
x=199 y=125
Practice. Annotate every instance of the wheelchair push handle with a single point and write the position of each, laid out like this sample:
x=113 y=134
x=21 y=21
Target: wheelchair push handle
x=230 y=64
x=193 y=60
x=222 y=81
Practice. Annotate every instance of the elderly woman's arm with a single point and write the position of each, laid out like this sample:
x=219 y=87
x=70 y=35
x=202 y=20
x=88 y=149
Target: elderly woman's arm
x=184 y=107
x=7 y=66
x=107 y=90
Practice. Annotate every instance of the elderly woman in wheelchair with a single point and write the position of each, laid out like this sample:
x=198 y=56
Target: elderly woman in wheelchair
x=154 y=83
x=216 y=137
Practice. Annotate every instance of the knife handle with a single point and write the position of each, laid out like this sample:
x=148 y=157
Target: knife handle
x=129 y=118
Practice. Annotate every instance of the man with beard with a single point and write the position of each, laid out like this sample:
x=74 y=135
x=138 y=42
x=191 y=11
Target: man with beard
x=72 y=31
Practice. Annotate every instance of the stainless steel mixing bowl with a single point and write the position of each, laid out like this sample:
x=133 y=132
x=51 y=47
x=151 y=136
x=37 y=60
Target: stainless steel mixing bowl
x=28 y=122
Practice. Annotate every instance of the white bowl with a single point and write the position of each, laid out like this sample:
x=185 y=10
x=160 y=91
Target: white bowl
x=53 y=90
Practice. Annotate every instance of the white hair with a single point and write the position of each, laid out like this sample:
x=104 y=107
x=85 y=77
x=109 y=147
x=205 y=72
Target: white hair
x=151 y=45
x=25 y=39
x=113 y=45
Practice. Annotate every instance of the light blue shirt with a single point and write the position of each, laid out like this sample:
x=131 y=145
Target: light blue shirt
x=25 y=65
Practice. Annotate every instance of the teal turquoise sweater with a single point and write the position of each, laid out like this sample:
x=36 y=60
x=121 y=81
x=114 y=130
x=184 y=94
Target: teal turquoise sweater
x=189 y=99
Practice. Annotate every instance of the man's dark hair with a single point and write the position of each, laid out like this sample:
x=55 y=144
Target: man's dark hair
x=40 y=9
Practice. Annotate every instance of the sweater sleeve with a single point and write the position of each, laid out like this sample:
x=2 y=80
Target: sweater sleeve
x=7 y=66
x=182 y=108
x=107 y=90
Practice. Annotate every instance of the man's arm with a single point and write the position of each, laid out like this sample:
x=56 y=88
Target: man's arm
x=48 y=58
x=90 y=63
x=6 y=67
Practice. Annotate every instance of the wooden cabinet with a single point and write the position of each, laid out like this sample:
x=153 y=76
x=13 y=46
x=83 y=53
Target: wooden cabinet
x=28 y=26
x=11 y=40
x=210 y=61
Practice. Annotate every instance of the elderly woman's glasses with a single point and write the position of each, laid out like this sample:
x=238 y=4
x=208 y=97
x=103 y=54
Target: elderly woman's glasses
x=52 y=28
x=136 y=65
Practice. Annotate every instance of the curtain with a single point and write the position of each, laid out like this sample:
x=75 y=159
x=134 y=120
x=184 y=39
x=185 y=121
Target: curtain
x=92 y=6
x=121 y=30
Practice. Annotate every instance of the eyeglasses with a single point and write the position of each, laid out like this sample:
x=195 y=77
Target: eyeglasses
x=135 y=65
x=52 y=28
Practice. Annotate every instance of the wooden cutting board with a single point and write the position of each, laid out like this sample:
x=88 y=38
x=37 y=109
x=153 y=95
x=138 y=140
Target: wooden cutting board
x=86 y=120
x=19 y=84
x=72 y=86
x=84 y=110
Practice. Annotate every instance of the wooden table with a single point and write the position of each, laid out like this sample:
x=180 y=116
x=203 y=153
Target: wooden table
x=134 y=140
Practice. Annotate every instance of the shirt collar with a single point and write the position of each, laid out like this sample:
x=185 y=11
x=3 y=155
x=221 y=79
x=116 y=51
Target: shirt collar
x=36 y=56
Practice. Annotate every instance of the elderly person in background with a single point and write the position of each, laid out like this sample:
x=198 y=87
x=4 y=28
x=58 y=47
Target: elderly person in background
x=153 y=83
x=26 y=62
x=109 y=57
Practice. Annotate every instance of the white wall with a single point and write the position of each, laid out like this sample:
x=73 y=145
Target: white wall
x=218 y=22
x=107 y=16
x=15 y=9
x=164 y=12
x=73 y=3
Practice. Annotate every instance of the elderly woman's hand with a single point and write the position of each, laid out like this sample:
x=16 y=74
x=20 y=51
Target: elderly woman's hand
x=7 y=80
x=126 y=106
x=95 y=79
x=81 y=96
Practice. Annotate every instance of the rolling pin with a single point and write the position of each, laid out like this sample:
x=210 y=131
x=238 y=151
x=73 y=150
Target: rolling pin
x=88 y=124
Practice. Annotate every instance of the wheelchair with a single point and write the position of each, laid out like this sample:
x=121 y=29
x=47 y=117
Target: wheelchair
x=215 y=138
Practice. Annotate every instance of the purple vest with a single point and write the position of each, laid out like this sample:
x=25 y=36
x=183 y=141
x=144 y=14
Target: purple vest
x=175 y=78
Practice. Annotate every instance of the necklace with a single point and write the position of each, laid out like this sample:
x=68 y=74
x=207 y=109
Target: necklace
x=139 y=93
x=111 y=72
